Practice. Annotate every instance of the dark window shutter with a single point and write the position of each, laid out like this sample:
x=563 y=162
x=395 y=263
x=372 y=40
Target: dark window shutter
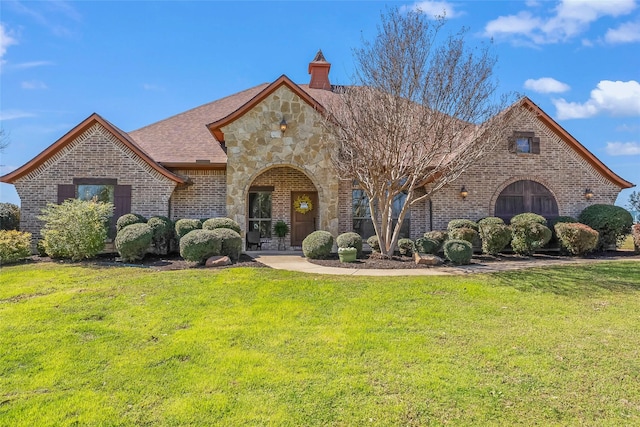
x=535 y=145
x=513 y=147
x=66 y=191
x=122 y=205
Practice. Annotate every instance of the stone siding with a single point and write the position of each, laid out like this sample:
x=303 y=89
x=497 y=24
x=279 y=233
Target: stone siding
x=96 y=153
x=558 y=167
x=255 y=145
x=204 y=197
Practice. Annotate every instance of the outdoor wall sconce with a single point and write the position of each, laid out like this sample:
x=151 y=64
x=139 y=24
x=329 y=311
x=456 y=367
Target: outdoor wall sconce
x=463 y=192
x=588 y=194
x=283 y=125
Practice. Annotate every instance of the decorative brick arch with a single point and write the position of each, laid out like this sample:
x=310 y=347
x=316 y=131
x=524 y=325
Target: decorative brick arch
x=505 y=184
x=302 y=170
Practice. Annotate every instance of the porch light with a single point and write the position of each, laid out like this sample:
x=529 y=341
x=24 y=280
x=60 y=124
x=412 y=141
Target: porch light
x=463 y=192
x=283 y=125
x=588 y=194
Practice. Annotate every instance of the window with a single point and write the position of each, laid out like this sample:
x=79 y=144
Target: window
x=260 y=212
x=362 y=223
x=524 y=143
x=97 y=192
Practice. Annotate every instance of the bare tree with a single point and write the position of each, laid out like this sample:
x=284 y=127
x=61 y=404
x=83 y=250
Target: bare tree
x=422 y=110
x=4 y=140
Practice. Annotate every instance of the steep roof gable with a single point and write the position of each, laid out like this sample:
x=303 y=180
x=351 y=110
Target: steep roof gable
x=73 y=134
x=216 y=126
x=580 y=149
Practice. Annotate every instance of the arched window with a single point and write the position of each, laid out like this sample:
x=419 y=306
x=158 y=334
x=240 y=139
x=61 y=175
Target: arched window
x=526 y=196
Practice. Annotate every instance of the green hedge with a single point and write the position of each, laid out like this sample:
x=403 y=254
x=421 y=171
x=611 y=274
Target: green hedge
x=458 y=251
x=464 y=233
x=374 y=243
x=186 y=225
x=163 y=233
x=576 y=238
x=133 y=241
x=462 y=223
x=612 y=222
x=529 y=237
x=495 y=237
x=9 y=216
x=214 y=223
x=350 y=240
x=230 y=243
x=317 y=245
x=14 y=246
x=428 y=246
x=128 y=219
x=198 y=245
x=406 y=247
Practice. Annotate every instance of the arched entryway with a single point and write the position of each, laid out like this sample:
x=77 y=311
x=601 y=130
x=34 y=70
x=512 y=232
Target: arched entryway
x=287 y=194
x=526 y=196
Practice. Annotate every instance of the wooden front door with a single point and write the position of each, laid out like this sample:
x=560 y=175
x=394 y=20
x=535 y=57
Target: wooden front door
x=303 y=224
x=526 y=196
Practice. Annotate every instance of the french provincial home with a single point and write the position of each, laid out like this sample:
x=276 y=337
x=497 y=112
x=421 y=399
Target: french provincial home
x=261 y=155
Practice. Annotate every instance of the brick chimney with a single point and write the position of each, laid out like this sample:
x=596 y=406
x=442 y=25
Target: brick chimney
x=319 y=70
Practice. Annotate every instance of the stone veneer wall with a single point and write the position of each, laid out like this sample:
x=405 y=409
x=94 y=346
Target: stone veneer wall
x=558 y=167
x=284 y=180
x=96 y=153
x=255 y=144
x=204 y=197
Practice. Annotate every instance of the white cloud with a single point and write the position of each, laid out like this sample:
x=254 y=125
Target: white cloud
x=31 y=64
x=567 y=20
x=6 y=40
x=433 y=8
x=546 y=85
x=623 y=148
x=152 y=87
x=14 y=114
x=613 y=98
x=626 y=33
x=33 y=85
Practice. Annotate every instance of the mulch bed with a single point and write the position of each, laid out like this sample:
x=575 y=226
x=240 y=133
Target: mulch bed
x=377 y=261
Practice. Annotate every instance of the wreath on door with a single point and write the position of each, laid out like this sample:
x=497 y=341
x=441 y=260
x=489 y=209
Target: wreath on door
x=303 y=204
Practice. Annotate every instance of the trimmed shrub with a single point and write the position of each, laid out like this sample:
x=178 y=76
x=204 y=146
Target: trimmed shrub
x=347 y=254
x=350 y=240
x=9 y=216
x=406 y=247
x=528 y=217
x=458 y=251
x=162 y=228
x=75 y=229
x=490 y=220
x=231 y=243
x=495 y=237
x=464 y=233
x=529 y=237
x=317 y=245
x=612 y=222
x=184 y=226
x=128 y=219
x=213 y=223
x=198 y=245
x=576 y=238
x=551 y=223
x=461 y=223
x=438 y=235
x=14 y=246
x=635 y=232
x=374 y=243
x=132 y=242
x=428 y=246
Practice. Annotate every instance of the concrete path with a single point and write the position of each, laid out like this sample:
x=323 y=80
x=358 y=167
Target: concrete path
x=295 y=261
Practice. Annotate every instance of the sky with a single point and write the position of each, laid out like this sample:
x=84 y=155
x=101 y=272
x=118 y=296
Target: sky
x=135 y=63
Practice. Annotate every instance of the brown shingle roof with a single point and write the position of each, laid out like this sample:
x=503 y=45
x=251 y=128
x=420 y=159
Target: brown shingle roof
x=184 y=138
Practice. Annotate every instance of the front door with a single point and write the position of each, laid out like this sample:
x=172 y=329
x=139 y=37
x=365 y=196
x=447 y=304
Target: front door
x=304 y=208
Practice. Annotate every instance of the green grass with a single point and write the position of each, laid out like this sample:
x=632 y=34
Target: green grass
x=124 y=346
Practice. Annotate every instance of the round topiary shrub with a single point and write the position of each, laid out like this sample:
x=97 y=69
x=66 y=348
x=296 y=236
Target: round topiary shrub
x=551 y=223
x=213 y=223
x=439 y=236
x=374 y=243
x=528 y=217
x=185 y=226
x=576 y=238
x=9 y=216
x=231 y=243
x=612 y=222
x=128 y=219
x=427 y=246
x=198 y=245
x=162 y=234
x=489 y=221
x=529 y=237
x=458 y=251
x=461 y=223
x=350 y=240
x=317 y=245
x=464 y=233
x=495 y=237
x=133 y=241
x=406 y=247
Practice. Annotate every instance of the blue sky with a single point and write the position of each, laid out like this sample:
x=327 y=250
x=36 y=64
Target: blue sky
x=136 y=63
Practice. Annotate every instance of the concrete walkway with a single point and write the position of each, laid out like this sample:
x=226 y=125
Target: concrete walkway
x=295 y=261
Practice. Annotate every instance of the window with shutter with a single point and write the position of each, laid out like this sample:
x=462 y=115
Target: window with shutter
x=524 y=143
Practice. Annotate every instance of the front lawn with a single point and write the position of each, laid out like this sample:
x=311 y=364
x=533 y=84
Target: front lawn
x=248 y=346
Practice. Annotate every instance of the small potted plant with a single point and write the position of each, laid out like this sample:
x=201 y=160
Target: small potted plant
x=347 y=254
x=281 y=229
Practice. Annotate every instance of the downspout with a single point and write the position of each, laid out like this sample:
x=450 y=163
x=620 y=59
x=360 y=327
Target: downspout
x=430 y=214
